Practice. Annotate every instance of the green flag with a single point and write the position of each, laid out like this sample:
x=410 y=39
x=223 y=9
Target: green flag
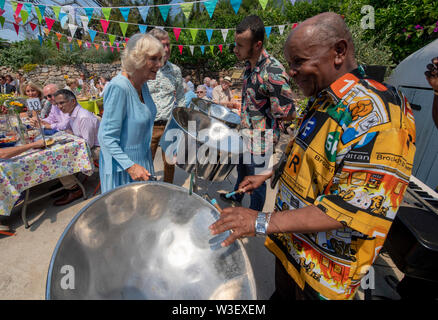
x=56 y=10
x=40 y=17
x=212 y=49
x=186 y=8
x=193 y=32
x=112 y=38
x=106 y=12
x=14 y=6
x=263 y=3
x=24 y=15
x=123 y=27
x=2 y=20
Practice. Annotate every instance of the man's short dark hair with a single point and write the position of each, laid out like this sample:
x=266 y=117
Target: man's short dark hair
x=69 y=95
x=255 y=24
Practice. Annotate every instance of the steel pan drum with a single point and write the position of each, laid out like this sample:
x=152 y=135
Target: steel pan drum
x=147 y=240
x=216 y=147
x=216 y=111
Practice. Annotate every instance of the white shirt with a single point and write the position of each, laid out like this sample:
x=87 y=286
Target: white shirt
x=84 y=124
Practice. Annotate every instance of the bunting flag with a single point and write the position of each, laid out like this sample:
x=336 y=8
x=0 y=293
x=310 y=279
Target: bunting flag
x=39 y=15
x=210 y=6
x=212 y=49
x=71 y=47
x=177 y=32
x=28 y=7
x=49 y=22
x=220 y=48
x=24 y=16
x=294 y=25
x=41 y=40
x=79 y=43
x=18 y=8
x=123 y=27
x=192 y=48
x=56 y=10
x=209 y=33
x=263 y=3
x=96 y=46
x=180 y=47
x=89 y=13
x=46 y=31
x=69 y=39
x=14 y=5
x=143 y=12
x=2 y=4
x=202 y=49
x=57 y=45
x=268 y=31
x=164 y=11
x=33 y=26
x=193 y=32
x=111 y=38
x=106 y=13
x=126 y=40
x=104 y=24
x=236 y=5
x=224 y=34
x=16 y=27
x=112 y=49
x=186 y=8
x=92 y=34
x=142 y=28
x=84 y=21
x=117 y=44
x=1 y=12
x=125 y=12
x=59 y=36
x=63 y=18
x=2 y=21
x=281 y=29
x=42 y=9
x=72 y=28
x=17 y=19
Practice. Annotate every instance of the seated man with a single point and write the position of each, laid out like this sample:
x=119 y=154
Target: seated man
x=84 y=124
x=56 y=120
x=7 y=153
x=201 y=92
x=222 y=94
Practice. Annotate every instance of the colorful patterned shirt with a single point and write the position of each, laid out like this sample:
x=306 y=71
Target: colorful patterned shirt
x=266 y=98
x=352 y=159
x=167 y=90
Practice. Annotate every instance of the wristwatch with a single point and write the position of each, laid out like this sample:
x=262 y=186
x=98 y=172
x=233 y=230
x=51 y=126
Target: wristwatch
x=261 y=223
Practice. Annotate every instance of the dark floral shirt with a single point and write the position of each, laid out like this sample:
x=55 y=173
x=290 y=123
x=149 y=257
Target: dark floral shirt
x=266 y=98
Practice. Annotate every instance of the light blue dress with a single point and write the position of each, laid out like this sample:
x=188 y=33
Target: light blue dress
x=125 y=132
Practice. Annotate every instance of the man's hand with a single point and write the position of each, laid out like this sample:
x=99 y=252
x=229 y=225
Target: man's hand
x=250 y=183
x=34 y=123
x=138 y=173
x=240 y=220
x=38 y=144
x=432 y=74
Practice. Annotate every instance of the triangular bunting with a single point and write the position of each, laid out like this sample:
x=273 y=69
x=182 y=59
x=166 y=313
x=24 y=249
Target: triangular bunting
x=294 y=25
x=104 y=24
x=209 y=33
x=92 y=34
x=210 y=6
x=142 y=28
x=281 y=29
x=72 y=28
x=268 y=31
x=41 y=40
x=220 y=48
x=63 y=18
x=186 y=8
x=123 y=27
x=46 y=31
x=202 y=49
x=106 y=13
x=193 y=32
x=18 y=8
x=84 y=20
x=236 y=5
x=112 y=49
x=96 y=46
x=24 y=15
x=1 y=12
x=164 y=11
x=125 y=12
x=79 y=42
x=180 y=48
x=33 y=26
x=224 y=34
x=28 y=7
x=212 y=49
x=2 y=21
x=56 y=10
x=192 y=48
x=57 y=44
x=49 y=22
x=176 y=32
x=89 y=13
x=39 y=15
x=69 y=39
x=17 y=19
x=42 y=9
x=71 y=47
x=143 y=12
x=59 y=36
x=14 y=5
x=16 y=27
x=263 y=3
x=2 y=4
x=111 y=38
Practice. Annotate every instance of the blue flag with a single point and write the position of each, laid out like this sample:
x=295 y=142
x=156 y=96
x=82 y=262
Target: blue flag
x=209 y=33
x=92 y=34
x=42 y=9
x=164 y=11
x=125 y=12
x=210 y=6
x=63 y=18
x=268 y=31
x=142 y=28
x=236 y=5
x=202 y=49
x=41 y=40
x=143 y=12
x=89 y=12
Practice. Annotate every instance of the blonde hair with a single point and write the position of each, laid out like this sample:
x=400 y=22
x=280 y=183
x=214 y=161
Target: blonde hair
x=70 y=81
x=33 y=86
x=138 y=49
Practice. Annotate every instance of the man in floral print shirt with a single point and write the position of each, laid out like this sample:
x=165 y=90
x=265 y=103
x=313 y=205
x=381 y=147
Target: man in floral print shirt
x=266 y=99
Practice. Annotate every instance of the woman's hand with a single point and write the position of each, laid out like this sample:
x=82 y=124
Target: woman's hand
x=34 y=123
x=138 y=173
x=251 y=183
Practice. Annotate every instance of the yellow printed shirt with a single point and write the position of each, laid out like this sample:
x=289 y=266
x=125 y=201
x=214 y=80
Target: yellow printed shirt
x=352 y=158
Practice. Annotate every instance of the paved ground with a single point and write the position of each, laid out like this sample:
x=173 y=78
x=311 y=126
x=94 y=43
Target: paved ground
x=25 y=257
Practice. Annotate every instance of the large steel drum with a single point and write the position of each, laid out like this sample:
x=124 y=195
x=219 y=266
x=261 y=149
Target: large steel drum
x=147 y=240
x=216 y=111
x=192 y=138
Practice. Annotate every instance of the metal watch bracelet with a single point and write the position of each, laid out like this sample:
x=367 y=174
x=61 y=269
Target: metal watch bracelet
x=261 y=223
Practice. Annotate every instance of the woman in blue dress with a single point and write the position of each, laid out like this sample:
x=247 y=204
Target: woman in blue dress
x=125 y=131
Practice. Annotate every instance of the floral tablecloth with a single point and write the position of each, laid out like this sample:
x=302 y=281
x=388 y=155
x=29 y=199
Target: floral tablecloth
x=69 y=154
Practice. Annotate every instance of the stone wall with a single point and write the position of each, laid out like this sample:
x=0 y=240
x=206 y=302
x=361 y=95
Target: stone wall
x=44 y=74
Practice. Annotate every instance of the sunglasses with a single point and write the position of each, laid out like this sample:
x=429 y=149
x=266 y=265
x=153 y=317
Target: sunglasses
x=200 y=91
x=49 y=96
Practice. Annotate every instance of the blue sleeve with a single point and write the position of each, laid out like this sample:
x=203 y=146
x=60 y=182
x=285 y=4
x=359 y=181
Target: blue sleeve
x=115 y=100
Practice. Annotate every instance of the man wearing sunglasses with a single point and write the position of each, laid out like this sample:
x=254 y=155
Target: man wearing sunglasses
x=56 y=120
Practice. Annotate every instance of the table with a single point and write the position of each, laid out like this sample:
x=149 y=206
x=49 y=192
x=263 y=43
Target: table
x=91 y=105
x=68 y=155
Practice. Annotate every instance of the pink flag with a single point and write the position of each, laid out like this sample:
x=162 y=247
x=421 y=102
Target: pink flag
x=17 y=19
x=118 y=49
x=57 y=44
x=112 y=49
x=294 y=25
x=19 y=6
x=69 y=39
x=1 y=12
x=117 y=45
x=180 y=47
x=177 y=32
x=104 y=24
x=32 y=25
x=17 y=27
x=126 y=40
x=220 y=48
x=49 y=23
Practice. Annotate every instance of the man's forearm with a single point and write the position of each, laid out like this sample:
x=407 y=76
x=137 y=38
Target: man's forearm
x=435 y=109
